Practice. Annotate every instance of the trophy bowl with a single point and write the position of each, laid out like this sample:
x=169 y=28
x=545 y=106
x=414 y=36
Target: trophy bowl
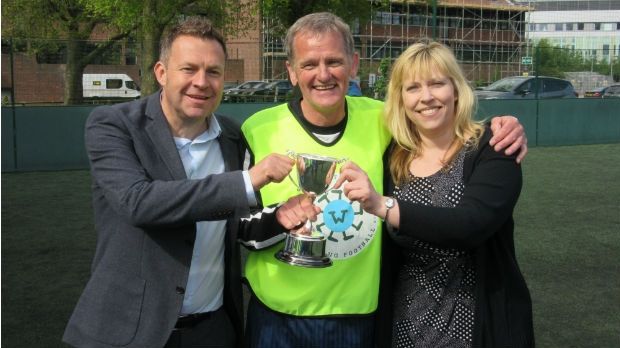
x=315 y=173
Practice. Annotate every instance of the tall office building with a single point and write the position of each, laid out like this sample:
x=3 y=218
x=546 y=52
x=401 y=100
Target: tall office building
x=590 y=27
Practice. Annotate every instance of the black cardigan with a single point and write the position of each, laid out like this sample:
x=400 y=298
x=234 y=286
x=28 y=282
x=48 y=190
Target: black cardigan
x=482 y=223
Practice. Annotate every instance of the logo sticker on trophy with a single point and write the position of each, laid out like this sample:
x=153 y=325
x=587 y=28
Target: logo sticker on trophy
x=314 y=174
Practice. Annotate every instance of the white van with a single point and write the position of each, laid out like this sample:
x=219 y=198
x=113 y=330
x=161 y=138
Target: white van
x=109 y=86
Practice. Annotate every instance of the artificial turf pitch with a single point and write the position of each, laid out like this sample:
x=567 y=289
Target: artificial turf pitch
x=567 y=238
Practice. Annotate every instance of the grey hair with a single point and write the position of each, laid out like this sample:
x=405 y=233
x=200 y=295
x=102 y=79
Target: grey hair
x=319 y=23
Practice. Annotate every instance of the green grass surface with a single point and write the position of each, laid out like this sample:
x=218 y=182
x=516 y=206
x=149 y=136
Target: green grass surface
x=568 y=243
x=567 y=239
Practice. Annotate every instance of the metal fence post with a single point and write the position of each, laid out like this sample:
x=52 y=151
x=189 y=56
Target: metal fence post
x=12 y=70
x=434 y=2
x=536 y=84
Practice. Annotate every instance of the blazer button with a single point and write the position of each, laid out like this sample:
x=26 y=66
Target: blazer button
x=180 y=290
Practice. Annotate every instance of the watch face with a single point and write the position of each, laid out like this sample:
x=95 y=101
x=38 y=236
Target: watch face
x=389 y=203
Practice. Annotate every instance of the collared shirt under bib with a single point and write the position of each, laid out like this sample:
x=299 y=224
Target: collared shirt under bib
x=205 y=285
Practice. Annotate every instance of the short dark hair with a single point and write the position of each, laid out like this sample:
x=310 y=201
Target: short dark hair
x=196 y=26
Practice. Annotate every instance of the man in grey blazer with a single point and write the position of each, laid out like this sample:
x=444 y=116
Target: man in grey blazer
x=169 y=193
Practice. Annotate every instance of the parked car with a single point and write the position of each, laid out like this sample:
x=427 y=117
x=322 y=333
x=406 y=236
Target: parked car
x=523 y=87
x=595 y=93
x=612 y=91
x=232 y=94
x=600 y=91
x=272 y=92
x=229 y=85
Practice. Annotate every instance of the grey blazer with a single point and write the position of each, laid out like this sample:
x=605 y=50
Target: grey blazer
x=145 y=214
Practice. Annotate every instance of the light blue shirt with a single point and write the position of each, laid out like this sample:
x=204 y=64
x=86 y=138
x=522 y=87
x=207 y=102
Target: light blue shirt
x=205 y=286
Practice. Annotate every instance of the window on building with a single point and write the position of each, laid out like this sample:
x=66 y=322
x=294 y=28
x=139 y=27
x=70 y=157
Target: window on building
x=386 y=18
x=559 y=26
x=417 y=20
x=605 y=50
x=597 y=26
x=394 y=18
x=580 y=26
x=607 y=26
x=378 y=18
x=470 y=23
x=52 y=55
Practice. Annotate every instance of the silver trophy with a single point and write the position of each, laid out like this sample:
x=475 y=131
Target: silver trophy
x=315 y=173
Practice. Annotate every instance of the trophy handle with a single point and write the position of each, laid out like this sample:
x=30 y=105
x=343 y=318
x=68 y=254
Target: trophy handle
x=293 y=155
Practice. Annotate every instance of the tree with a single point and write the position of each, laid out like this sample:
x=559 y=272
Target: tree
x=68 y=20
x=380 y=87
x=150 y=18
x=75 y=20
x=554 y=60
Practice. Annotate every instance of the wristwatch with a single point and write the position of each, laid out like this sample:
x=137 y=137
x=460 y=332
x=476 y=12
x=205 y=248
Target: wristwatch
x=389 y=204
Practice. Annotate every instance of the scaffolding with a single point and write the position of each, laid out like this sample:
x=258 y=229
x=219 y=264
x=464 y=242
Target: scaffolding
x=487 y=36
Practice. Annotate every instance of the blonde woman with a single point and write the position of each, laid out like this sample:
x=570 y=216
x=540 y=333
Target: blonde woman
x=448 y=208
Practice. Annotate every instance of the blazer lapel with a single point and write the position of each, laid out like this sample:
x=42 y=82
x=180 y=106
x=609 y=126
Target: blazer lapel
x=159 y=132
x=228 y=146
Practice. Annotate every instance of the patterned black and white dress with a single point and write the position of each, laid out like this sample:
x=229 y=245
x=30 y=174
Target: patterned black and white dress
x=434 y=298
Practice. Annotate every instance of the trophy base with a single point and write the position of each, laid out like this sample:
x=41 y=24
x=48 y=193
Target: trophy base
x=304 y=251
x=303 y=261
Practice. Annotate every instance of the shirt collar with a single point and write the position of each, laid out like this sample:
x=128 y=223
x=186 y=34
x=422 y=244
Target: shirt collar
x=211 y=133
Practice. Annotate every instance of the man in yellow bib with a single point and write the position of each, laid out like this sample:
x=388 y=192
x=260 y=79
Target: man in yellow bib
x=329 y=307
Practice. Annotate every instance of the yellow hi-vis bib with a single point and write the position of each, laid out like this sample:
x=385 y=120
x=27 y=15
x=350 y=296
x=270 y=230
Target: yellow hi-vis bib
x=351 y=284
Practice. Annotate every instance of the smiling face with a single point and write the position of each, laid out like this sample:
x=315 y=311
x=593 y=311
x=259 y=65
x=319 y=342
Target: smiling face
x=429 y=103
x=322 y=68
x=192 y=81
